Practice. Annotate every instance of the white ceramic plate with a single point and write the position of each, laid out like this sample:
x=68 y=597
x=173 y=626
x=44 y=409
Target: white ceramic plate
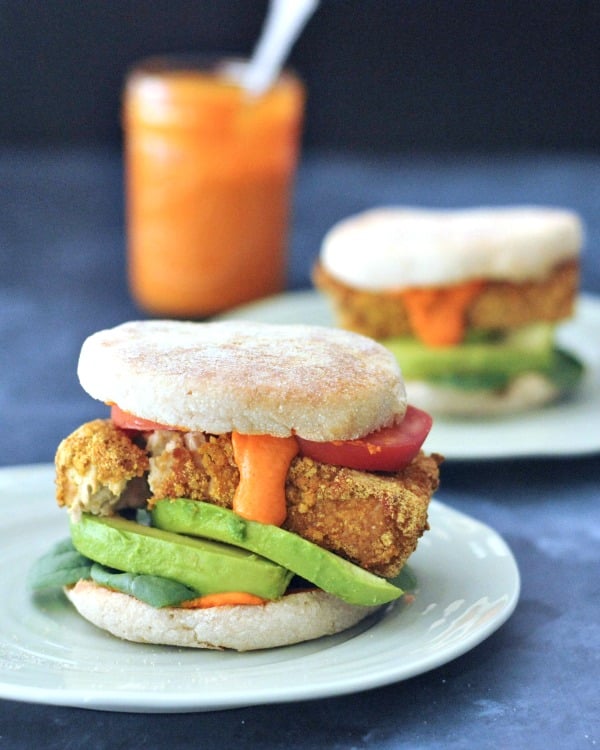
x=468 y=585
x=569 y=427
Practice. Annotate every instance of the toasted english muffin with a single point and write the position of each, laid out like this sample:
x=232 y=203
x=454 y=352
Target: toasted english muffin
x=296 y=617
x=315 y=382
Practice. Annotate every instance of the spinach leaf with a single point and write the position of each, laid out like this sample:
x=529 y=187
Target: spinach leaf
x=154 y=590
x=61 y=566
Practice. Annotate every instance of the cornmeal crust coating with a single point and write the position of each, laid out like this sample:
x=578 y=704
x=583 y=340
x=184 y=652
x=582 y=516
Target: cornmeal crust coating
x=500 y=305
x=374 y=520
x=100 y=470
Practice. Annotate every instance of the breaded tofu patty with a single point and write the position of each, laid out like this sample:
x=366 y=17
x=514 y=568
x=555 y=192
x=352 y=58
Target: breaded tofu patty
x=497 y=306
x=373 y=520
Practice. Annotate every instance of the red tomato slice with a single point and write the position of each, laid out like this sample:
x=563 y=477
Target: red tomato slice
x=388 y=449
x=127 y=421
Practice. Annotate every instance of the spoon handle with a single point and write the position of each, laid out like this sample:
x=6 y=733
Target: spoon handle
x=285 y=20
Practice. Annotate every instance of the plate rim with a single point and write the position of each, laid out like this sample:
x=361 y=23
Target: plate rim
x=196 y=701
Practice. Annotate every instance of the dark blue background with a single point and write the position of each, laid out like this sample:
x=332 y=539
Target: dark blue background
x=382 y=74
x=480 y=103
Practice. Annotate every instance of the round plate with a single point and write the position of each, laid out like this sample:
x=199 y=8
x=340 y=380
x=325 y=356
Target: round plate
x=468 y=585
x=534 y=433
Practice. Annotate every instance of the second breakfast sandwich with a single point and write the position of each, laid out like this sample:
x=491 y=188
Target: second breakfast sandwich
x=239 y=459
x=468 y=300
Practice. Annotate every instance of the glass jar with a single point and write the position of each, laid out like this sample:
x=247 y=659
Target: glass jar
x=209 y=173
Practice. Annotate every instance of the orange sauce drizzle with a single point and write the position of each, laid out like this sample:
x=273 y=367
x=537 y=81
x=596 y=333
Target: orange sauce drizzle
x=224 y=599
x=437 y=314
x=263 y=462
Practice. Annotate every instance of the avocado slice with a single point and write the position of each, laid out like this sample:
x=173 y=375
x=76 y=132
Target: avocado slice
x=488 y=360
x=324 y=569
x=63 y=566
x=527 y=349
x=205 y=566
x=564 y=370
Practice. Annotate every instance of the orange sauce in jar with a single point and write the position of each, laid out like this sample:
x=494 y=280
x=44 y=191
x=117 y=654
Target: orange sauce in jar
x=209 y=175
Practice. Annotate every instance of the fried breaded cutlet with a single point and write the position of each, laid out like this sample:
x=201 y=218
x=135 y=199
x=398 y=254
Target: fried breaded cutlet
x=373 y=520
x=99 y=470
x=499 y=305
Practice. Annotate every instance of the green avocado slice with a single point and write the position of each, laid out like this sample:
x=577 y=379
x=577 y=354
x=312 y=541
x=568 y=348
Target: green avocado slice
x=205 y=566
x=488 y=362
x=523 y=351
x=564 y=370
x=313 y=563
x=63 y=565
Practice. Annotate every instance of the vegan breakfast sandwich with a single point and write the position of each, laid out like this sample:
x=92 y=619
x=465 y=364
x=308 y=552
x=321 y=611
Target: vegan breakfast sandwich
x=255 y=485
x=468 y=300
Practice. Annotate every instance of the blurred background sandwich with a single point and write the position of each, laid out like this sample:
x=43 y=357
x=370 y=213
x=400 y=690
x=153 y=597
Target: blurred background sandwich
x=468 y=300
